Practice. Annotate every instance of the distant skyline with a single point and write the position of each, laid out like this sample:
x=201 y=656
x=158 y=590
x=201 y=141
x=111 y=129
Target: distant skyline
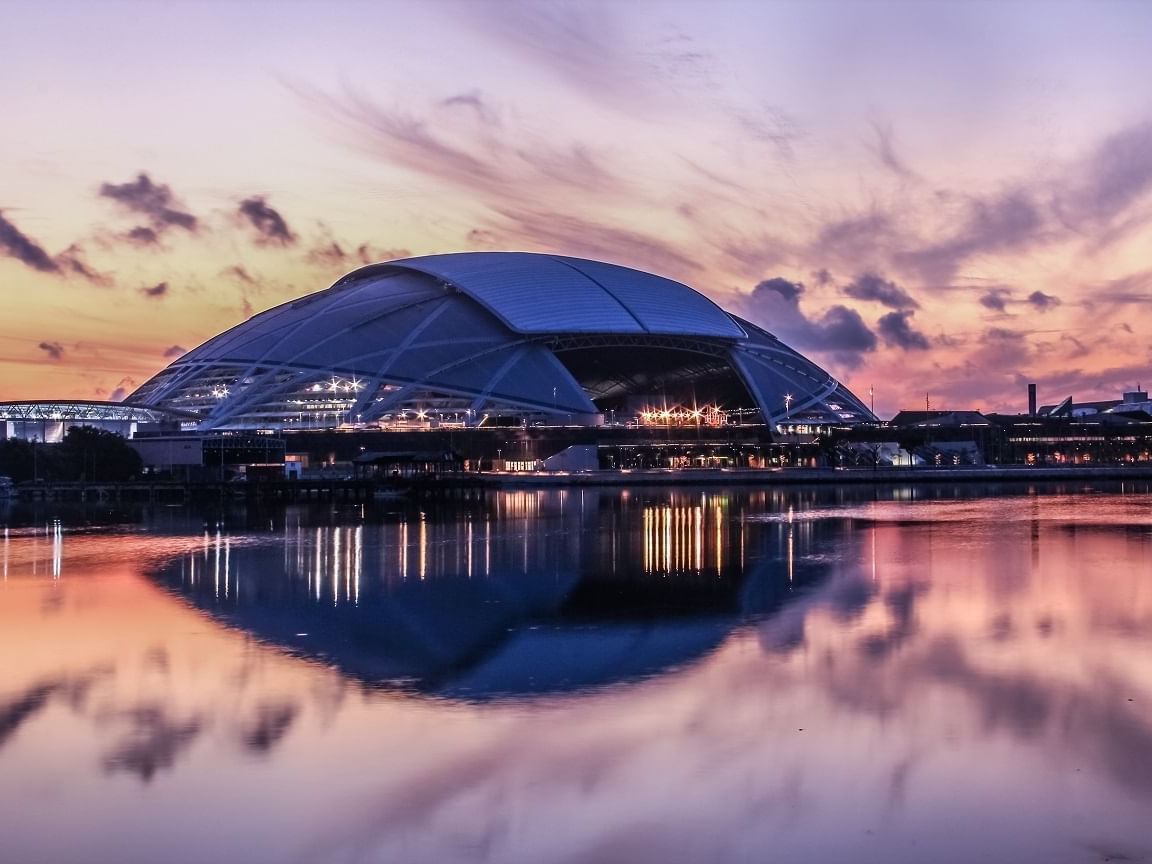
x=944 y=197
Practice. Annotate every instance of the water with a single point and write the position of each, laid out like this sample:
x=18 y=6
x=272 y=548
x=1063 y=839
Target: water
x=949 y=675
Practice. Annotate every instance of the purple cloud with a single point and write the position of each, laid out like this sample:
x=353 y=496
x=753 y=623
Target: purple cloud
x=869 y=286
x=1043 y=301
x=154 y=200
x=270 y=227
x=896 y=330
x=16 y=244
x=839 y=331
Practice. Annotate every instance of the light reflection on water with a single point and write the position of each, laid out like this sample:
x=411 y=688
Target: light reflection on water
x=585 y=676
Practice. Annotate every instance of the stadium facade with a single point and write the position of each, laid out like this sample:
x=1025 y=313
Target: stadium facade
x=497 y=339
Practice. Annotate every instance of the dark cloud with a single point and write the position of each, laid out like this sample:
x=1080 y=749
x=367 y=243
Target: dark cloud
x=174 y=351
x=842 y=329
x=790 y=291
x=142 y=235
x=53 y=349
x=16 y=244
x=154 y=200
x=838 y=331
x=271 y=228
x=996 y=299
x=869 y=286
x=157 y=291
x=1043 y=301
x=896 y=330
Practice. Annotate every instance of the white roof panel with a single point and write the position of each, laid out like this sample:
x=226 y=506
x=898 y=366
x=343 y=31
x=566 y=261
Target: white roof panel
x=534 y=293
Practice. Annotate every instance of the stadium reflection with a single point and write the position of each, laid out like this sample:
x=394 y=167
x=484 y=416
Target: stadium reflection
x=532 y=592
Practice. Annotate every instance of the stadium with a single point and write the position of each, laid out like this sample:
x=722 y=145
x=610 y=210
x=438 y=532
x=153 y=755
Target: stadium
x=498 y=340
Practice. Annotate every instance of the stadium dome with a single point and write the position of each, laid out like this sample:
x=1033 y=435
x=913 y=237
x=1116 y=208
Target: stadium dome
x=497 y=337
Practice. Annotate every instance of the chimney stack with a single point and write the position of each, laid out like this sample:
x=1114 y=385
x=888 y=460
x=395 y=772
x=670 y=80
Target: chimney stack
x=1032 y=400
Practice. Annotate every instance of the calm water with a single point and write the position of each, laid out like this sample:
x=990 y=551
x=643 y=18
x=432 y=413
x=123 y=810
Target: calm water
x=599 y=676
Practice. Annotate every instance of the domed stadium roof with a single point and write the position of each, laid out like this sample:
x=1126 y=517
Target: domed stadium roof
x=514 y=335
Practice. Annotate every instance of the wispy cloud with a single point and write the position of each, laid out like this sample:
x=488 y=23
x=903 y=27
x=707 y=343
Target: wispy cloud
x=240 y=274
x=1109 y=181
x=174 y=351
x=520 y=179
x=327 y=251
x=473 y=100
x=586 y=48
x=1011 y=221
x=885 y=150
x=155 y=292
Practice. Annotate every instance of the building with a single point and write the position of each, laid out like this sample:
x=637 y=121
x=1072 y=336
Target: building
x=48 y=420
x=498 y=340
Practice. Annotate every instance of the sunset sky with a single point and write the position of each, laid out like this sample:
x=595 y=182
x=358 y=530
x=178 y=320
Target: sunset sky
x=952 y=198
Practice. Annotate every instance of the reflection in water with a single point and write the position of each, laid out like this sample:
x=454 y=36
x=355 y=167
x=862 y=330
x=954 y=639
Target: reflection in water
x=638 y=676
x=515 y=598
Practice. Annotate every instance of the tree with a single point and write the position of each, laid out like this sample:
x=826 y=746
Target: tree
x=87 y=453
x=17 y=460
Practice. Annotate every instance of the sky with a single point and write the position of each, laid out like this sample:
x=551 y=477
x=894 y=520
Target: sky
x=934 y=200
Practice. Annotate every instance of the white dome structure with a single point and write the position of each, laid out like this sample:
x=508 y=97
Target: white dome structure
x=488 y=337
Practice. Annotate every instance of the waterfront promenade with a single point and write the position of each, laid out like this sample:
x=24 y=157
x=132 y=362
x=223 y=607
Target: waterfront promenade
x=472 y=483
